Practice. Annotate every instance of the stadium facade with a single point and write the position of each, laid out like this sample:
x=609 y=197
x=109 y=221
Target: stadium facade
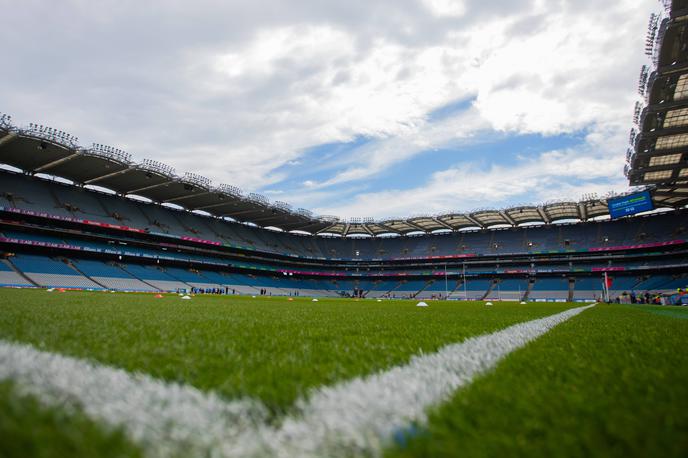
x=58 y=234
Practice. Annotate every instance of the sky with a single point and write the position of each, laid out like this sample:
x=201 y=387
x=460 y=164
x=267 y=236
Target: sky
x=357 y=108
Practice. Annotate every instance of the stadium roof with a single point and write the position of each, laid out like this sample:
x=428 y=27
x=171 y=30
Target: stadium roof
x=39 y=149
x=659 y=143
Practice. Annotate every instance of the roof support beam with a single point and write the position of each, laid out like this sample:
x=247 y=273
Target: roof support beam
x=507 y=217
x=583 y=211
x=153 y=186
x=306 y=226
x=244 y=212
x=213 y=205
x=475 y=221
x=52 y=164
x=107 y=175
x=326 y=228
x=378 y=228
x=462 y=225
x=390 y=229
x=545 y=217
x=175 y=199
x=7 y=138
x=268 y=216
x=580 y=213
x=441 y=223
x=416 y=226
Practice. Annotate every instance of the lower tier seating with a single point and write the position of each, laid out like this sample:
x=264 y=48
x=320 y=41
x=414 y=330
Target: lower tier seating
x=23 y=270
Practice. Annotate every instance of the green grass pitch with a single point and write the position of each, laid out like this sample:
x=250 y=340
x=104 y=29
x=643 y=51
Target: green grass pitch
x=612 y=381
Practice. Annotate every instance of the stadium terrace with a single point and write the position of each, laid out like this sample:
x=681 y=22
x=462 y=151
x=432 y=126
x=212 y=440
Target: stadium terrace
x=216 y=238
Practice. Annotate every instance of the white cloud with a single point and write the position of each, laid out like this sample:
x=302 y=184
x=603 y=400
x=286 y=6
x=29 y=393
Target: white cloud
x=450 y=8
x=558 y=78
x=565 y=75
x=234 y=91
x=535 y=180
x=374 y=158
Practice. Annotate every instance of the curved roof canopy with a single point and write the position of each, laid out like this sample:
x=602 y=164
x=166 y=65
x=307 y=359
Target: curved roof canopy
x=658 y=154
x=39 y=149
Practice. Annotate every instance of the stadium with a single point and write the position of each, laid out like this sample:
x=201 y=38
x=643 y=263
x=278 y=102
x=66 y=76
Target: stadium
x=150 y=312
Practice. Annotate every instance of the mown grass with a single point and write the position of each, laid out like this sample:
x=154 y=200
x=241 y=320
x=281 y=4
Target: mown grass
x=267 y=348
x=672 y=311
x=28 y=429
x=610 y=382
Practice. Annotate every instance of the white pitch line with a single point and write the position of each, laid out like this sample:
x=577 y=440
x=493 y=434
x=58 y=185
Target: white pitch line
x=356 y=417
x=166 y=419
x=359 y=417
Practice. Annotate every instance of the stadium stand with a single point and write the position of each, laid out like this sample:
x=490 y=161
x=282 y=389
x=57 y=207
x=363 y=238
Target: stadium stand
x=587 y=288
x=10 y=277
x=550 y=288
x=51 y=273
x=509 y=289
x=473 y=289
x=61 y=200
x=56 y=234
x=60 y=228
x=111 y=276
x=154 y=277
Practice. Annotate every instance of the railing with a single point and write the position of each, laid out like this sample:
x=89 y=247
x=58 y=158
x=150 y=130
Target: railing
x=651 y=37
x=636 y=112
x=108 y=151
x=282 y=206
x=198 y=180
x=52 y=135
x=157 y=167
x=632 y=136
x=305 y=213
x=642 y=80
x=5 y=121
x=231 y=190
x=258 y=198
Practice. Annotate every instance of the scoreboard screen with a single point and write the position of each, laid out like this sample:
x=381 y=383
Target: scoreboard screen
x=630 y=205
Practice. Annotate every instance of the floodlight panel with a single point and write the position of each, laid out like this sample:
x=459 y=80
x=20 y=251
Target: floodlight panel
x=676 y=118
x=658 y=175
x=671 y=142
x=681 y=91
x=667 y=159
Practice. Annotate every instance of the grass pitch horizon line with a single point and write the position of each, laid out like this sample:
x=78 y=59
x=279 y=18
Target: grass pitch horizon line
x=167 y=418
x=268 y=348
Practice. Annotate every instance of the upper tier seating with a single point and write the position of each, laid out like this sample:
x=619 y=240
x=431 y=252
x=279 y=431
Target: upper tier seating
x=65 y=200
